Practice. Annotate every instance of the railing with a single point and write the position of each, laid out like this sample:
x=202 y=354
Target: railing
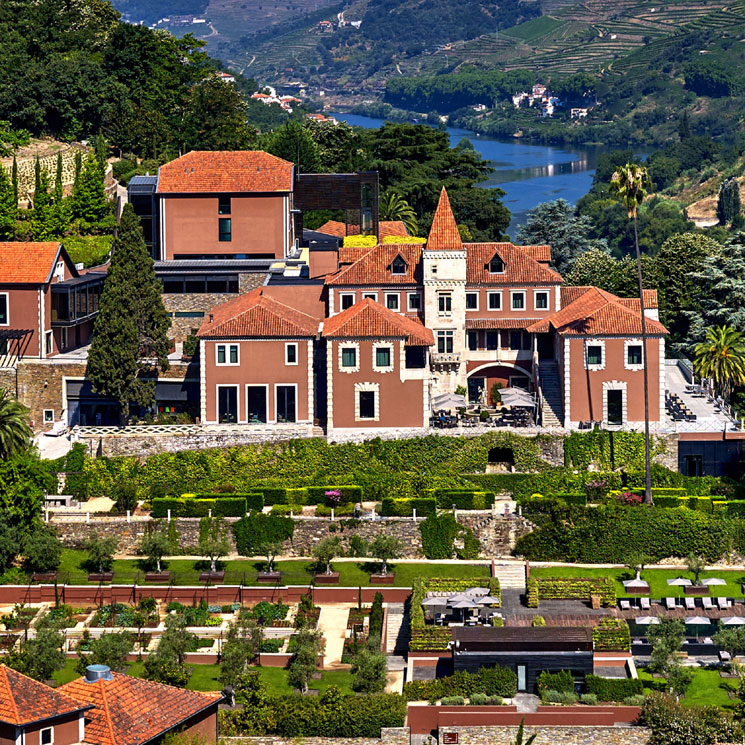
x=445 y=358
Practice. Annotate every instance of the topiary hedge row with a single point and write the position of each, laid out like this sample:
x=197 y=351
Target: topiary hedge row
x=613 y=689
x=254 y=500
x=493 y=681
x=570 y=588
x=256 y=529
x=463 y=499
x=612 y=635
x=310 y=494
x=405 y=507
x=192 y=506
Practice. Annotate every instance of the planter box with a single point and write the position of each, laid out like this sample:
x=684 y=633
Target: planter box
x=215 y=578
x=269 y=578
x=101 y=577
x=696 y=589
x=44 y=577
x=158 y=577
x=382 y=579
x=327 y=579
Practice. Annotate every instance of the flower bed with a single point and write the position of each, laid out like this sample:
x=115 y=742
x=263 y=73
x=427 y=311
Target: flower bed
x=268 y=614
x=356 y=618
x=570 y=588
x=612 y=635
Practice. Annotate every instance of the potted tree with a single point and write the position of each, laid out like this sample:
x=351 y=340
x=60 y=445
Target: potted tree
x=696 y=565
x=214 y=544
x=101 y=550
x=43 y=553
x=325 y=551
x=271 y=550
x=155 y=546
x=386 y=548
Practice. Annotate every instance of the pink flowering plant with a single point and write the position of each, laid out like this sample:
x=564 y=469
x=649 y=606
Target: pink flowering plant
x=333 y=496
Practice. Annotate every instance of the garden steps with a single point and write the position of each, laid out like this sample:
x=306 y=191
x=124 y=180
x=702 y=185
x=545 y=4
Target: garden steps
x=553 y=409
x=510 y=576
x=397 y=628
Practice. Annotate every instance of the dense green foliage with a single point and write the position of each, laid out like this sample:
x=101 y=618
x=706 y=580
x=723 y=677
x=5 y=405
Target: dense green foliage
x=424 y=506
x=254 y=531
x=611 y=635
x=570 y=588
x=227 y=506
x=613 y=689
x=493 y=681
x=439 y=536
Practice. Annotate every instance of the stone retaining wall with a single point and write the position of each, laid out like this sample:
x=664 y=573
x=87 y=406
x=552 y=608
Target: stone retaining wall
x=388 y=736
x=495 y=532
x=554 y=735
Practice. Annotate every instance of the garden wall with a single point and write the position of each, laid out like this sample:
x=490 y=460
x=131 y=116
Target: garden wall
x=496 y=532
x=552 y=735
x=391 y=736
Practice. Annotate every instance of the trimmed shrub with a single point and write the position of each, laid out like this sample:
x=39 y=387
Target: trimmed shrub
x=481 y=699
x=189 y=506
x=588 y=699
x=580 y=499
x=488 y=681
x=453 y=701
x=340 y=510
x=463 y=499
x=254 y=500
x=563 y=681
x=253 y=531
x=613 y=689
x=317 y=494
x=637 y=700
x=612 y=635
x=424 y=506
x=570 y=588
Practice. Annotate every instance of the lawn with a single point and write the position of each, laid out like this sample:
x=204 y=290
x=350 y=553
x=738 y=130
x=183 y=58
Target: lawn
x=657 y=579
x=242 y=571
x=206 y=678
x=90 y=250
x=707 y=688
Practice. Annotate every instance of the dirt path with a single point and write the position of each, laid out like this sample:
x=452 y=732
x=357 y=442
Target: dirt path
x=332 y=623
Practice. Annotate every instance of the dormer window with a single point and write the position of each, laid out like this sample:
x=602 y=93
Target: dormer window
x=398 y=266
x=496 y=265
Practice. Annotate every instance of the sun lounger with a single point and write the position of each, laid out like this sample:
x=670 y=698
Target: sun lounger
x=646 y=605
x=58 y=429
x=723 y=603
x=625 y=605
x=690 y=603
x=670 y=603
x=708 y=605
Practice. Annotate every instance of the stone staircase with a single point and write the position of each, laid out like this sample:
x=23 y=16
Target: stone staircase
x=553 y=406
x=397 y=628
x=511 y=576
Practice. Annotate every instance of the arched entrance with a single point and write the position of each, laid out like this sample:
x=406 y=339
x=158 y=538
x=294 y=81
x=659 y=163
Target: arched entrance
x=482 y=378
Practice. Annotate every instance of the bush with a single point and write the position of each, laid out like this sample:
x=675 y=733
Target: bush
x=588 y=699
x=286 y=509
x=254 y=500
x=567 y=698
x=256 y=530
x=453 y=701
x=376 y=617
x=463 y=499
x=612 y=635
x=317 y=494
x=570 y=588
x=439 y=533
x=481 y=699
x=404 y=507
x=613 y=689
x=634 y=700
x=563 y=681
x=488 y=681
x=538 y=621
x=340 y=510
x=191 y=506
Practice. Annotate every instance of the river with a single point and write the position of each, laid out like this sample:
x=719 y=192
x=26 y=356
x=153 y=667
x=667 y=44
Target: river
x=529 y=174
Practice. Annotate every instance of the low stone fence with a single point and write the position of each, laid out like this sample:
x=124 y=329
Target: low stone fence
x=551 y=735
x=388 y=736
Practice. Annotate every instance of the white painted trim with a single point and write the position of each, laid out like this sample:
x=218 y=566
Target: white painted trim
x=331 y=302
x=286 y=224
x=227 y=362
x=366 y=388
x=371 y=295
x=513 y=295
x=536 y=293
x=329 y=385
x=661 y=374
x=387 y=368
x=397 y=295
x=7 y=307
x=81 y=727
x=265 y=386
x=632 y=343
x=343 y=295
x=489 y=295
x=44 y=729
x=47 y=336
x=311 y=384
x=615 y=385
x=595 y=343
x=501 y=363
x=472 y=292
x=567 y=381
x=162 y=201
x=276 y=401
x=297 y=353
x=203 y=381
x=557 y=299
x=237 y=387
x=445 y=295
x=445 y=333
x=42 y=324
x=410 y=295
x=44 y=416
x=349 y=345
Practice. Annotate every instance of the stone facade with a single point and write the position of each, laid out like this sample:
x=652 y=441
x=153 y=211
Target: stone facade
x=496 y=533
x=388 y=736
x=552 y=735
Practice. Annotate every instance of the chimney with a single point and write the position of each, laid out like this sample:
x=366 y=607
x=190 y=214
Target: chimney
x=95 y=673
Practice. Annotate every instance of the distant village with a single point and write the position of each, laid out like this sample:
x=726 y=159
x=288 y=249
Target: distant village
x=541 y=96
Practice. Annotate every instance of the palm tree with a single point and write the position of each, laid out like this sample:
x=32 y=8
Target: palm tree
x=15 y=431
x=520 y=735
x=721 y=357
x=394 y=207
x=629 y=184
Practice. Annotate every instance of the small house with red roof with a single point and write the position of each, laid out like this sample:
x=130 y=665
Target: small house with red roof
x=257 y=356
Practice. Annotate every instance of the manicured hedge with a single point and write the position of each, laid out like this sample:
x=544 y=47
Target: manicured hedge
x=493 y=681
x=424 y=506
x=547 y=482
x=561 y=681
x=570 y=588
x=307 y=494
x=317 y=494
x=463 y=499
x=194 y=507
x=254 y=500
x=612 y=635
x=580 y=499
x=256 y=529
x=613 y=689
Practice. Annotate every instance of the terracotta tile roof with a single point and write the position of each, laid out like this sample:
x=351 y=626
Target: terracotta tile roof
x=368 y=319
x=474 y=324
x=385 y=228
x=255 y=314
x=238 y=171
x=519 y=266
x=24 y=700
x=541 y=254
x=596 y=312
x=374 y=267
x=444 y=235
x=27 y=262
x=570 y=294
x=350 y=254
x=130 y=711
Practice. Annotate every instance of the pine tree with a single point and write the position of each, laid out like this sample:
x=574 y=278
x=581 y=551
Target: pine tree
x=89 y=202
x=130 y=335
x=78 y=165
x=684 y=127
x=294 y=143
x=728 y=203
x=14 y=180
x=102 y=152
x=60 y=217
x=40 y=220
x=8 y=208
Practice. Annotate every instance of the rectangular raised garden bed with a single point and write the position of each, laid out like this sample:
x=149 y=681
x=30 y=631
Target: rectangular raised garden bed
x=158 y=578
x=101 y=577
x=382 y=579
x=696 y=589
x=327 y=579
x=214 y=578
x=269 y=578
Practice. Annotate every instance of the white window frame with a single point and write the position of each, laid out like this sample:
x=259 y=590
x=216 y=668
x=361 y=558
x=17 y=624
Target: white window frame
x=227 y=362
x=370 y=295
x=276 y=402
x=48 y=416
x=343 y=295
x=490 y=295
x=536 y=293
x=514 y=294
x=408 y=302
x=386 y=368
x=7 y=308
x=63 y=337
x=595 y=343
x=59 y=271
x=48 y=343
x=349 y=345
x=444 y=296
x=632 y=343
x=265 y=386
x=373 y=388
x=446 y=333
x=41 y=733
x=498 y=258
x=287 y=349
x=475 y=294
x=396 y=295
x=237 y=387
x=406 y=266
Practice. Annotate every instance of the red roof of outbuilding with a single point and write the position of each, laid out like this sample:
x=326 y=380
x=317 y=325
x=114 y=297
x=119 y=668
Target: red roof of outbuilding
x=385 y=228
x=255 y=314
x=27 y=262
x=24 y=700
x=519 y=266
x=225 y=171
x=444 y=235
x=374 y=267
x=368 y=319
x=595 y=312
x=131 y=711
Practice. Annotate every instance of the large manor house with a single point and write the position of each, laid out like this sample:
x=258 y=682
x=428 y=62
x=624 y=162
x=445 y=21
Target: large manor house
x=277 y=325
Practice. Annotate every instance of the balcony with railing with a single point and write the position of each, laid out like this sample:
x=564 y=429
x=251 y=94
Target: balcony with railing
x=77 y=300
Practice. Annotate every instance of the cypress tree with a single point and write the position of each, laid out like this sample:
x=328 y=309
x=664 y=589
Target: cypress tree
x=14 y=180
x=130 y=342
x=89 y=202
x=8 y=208
x=59 y=219
x=37 y=178
x=102 y=152
x=78 y=165
x=728 y=203
x=41 y=217
x=684 y=127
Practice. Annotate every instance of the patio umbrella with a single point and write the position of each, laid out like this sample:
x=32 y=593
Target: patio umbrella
x=477 y=591
x=679 y=581
x=434 y=601
x=646 y=620
x=487 y=600
x=697 y=621
x=459 y=596
x=713 y=581
x=449 y=401
x=516 y=397
x=636 y=585
x=733 y=621
x=463 y=604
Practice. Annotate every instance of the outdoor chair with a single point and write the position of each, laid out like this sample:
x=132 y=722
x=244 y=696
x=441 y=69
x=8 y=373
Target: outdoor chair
x=670 y=603
x=690 y=603
x=723 y=603
x=725 y=656
x=646 y=605
x=708 y=605
x=625 y=605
